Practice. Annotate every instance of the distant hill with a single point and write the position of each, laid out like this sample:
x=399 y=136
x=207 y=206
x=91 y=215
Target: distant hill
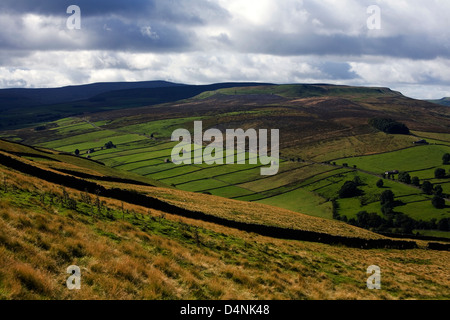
x=27 y=107
x=443 y=101
x=21 y=97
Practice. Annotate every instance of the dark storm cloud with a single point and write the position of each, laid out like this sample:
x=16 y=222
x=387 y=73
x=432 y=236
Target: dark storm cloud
x=179 y=11
x=414 y=46
x=172 y=26
x=137 y=25
x=121 y=35
x=88 y=8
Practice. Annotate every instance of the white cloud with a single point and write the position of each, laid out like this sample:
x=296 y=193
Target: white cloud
x=232 y=40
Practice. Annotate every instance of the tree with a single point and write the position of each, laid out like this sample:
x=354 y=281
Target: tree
x=368 y=220
x=77 y=152
x=389 y=126
x=438 y=202
x=387 y=209
x=438 y=191
x=415 y=181
x=405 y=223
x=446 y=158
x=349 y=190
x=109 y=145
x=404 y=177
x=357 y=180
x=444 y=224
x=387 y=197
x=380 y=183
x=427 y=187
x=439 y=173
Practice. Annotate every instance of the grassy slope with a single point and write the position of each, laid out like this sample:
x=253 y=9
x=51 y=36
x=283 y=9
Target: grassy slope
x=54 y=160
x=130 y=252
x=211 y=205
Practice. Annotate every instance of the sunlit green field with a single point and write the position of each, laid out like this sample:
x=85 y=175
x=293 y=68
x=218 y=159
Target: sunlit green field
x=419 y=158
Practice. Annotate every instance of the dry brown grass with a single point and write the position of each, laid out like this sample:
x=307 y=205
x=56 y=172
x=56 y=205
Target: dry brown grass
x=158 y=267
x=120 y=260
x=256 y=213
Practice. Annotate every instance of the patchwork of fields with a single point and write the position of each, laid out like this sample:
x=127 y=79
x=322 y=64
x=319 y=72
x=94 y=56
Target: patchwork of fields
x=300 y=185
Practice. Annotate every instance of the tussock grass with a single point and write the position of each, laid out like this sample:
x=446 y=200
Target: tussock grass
x=162 y=263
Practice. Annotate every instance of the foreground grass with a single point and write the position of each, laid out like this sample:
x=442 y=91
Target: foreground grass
x=129 y=252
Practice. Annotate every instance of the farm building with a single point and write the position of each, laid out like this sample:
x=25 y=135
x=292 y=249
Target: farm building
x=423 y=141
x=391 y=173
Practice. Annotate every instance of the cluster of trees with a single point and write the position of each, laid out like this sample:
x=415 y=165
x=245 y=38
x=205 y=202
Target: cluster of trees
x=446 y=159
x=108 y=145
x=440 y=173
x=389 y=126
x=392 y=221
x=387 y=200
x=404 y=177
x=438 y=200
x=397 y=221
x=350 y=188
x=427 y=187
x=380 y=183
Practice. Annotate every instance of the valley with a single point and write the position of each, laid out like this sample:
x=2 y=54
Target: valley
x=325 y=140
x=99 y=190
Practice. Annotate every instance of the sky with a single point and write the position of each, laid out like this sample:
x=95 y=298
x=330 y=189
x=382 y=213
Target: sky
x=401 y=44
